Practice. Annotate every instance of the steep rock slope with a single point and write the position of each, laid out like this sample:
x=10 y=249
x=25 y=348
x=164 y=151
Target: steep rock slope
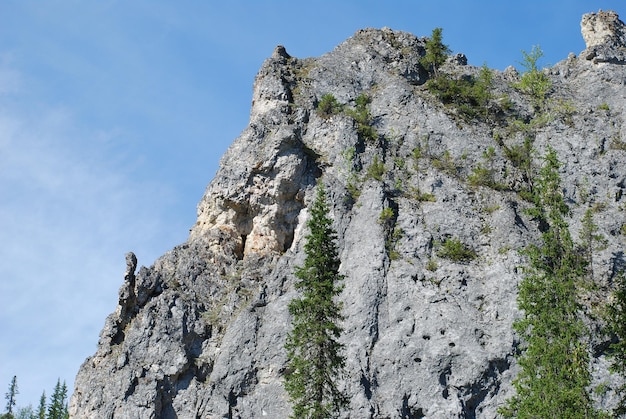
x=200 y=333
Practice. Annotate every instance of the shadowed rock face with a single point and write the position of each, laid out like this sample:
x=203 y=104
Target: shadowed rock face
x=200 y=333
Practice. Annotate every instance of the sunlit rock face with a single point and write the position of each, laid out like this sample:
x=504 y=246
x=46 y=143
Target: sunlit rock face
x=605 y=36
x=201 y=332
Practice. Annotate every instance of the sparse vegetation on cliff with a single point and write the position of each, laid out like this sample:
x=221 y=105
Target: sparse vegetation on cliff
x=328 y=106
x=554 y=358
x=533 y=81
x=434 y=187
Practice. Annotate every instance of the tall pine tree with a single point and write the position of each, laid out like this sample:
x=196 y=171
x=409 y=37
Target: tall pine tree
x=313 y=350
x=554 y=375
x=616 y=324
x=41 y=409
x=10 y=397
x=57 y=409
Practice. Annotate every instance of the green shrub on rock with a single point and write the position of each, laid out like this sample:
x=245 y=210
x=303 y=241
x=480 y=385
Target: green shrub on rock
x=328 y=106
x=455 y=250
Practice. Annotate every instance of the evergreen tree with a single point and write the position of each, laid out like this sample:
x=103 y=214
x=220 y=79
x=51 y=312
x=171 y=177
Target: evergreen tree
x=10 y=397
x=616 y=324
x=314 y=353
x=57 y=409
x=554 y=375
x=533 y=81
x=41 y=409
x=436 y=52
x=590 y=241
x=25 y=413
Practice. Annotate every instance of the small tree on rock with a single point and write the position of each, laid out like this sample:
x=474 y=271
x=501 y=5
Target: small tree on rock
x=533 y=81
x=314 y=354
x=590 y=240
x=436 y=52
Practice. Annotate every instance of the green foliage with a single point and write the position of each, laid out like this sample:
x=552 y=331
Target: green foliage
x=484 y=176
x=376 y=170
x=470 y=95
x=398 y=185
x=353 y=187
x=417 y=153
x=521 y=156
x=436 y=52
x=26 y=413
x=564 y=109
x=491 y=209
x=41 y=409
x=362 y=101
x=554 y=361
x=616 y=325
x=393 y=234
x=10 y=397
x=313 y=350
x=549 y=205
x=583 y=190
x=363 y=118
x=590 y=240
x=531 y=126
x=533 y=81
x=455 y=250
x=328 y=106
x=350 y=154
x=420 y=196
x=489 y=154
x=481 y=176
x=604 y=107
x=446 y=164
x=482 y=86
x=392 y=239
x=386 y=216
x=57 y=408
x=431 y=265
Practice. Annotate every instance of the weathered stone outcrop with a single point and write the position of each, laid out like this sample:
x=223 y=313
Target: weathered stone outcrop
x=605 y=36
x=200 y=333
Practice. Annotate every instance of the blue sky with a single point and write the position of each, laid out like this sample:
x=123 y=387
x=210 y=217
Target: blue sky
x=113 y=117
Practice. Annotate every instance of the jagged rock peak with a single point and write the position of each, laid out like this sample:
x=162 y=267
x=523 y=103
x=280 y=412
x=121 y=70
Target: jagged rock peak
x=602 y=27
x=605 y=36
x=280 y=52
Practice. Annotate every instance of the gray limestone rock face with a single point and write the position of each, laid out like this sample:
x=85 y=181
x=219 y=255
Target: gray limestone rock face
x=201 y=332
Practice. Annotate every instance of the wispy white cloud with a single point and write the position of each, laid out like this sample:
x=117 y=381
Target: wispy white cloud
x=71 y=206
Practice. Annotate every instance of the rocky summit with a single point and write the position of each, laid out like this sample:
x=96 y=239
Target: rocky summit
x=407 y=168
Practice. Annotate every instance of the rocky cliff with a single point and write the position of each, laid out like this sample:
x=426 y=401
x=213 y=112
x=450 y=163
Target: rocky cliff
x=200 y=333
